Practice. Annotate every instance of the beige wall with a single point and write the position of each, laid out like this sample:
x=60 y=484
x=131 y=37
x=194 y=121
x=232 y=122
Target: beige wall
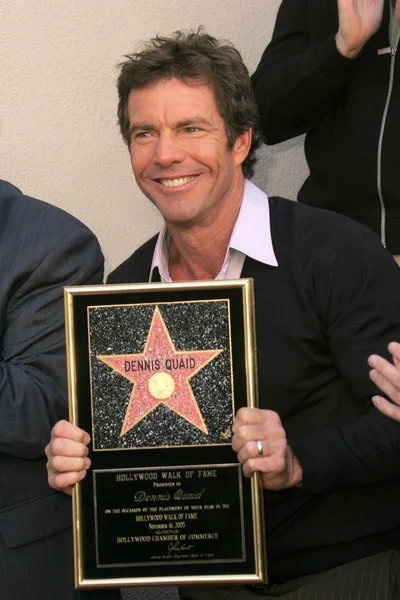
x=58 y=135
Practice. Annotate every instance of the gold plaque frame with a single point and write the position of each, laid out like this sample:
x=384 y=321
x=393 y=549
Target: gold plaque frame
x=156 y=373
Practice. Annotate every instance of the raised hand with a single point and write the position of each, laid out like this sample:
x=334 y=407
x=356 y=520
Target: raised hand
x=358 y=21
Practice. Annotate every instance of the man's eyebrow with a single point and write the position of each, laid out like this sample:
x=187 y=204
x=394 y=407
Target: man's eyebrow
x=141 y=127
x=179 y=124
x=193 y=121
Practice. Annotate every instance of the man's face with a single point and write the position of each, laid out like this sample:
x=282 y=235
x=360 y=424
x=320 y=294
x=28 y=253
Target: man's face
x=179 y=151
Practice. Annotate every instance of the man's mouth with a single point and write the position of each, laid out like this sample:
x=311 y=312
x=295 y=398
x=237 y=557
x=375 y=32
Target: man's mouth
x=178 y=182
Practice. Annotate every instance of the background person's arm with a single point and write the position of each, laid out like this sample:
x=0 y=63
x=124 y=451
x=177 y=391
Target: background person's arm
x=299 y=80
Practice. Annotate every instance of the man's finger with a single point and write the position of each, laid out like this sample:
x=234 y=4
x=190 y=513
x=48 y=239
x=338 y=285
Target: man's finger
x=65 y=429
x=387 y=408
x=65 y=464
x=385 y=368
x=252 y=433
x=246 y=433
x=385 y=385
x=269 y=447
x=270 y=466
x=65 y=481
x=394 y=349
x=66 y=447
x=254 y=416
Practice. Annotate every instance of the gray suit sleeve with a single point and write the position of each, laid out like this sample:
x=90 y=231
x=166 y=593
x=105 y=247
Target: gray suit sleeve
x=33 y=386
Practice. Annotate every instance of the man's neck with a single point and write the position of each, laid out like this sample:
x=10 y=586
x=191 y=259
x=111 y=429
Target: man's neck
x=198 y=252
x=196 y=259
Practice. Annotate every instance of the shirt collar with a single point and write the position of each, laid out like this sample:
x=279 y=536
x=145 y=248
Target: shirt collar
x=160 y=255
x=251 y=233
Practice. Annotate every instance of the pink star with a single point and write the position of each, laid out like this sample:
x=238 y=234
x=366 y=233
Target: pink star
x=161 y=375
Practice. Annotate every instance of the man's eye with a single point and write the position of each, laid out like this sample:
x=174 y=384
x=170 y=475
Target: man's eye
x=192 y=129
x=142 y=135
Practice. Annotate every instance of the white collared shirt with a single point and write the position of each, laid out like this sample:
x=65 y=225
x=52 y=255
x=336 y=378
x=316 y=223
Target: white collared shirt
x=251 y=236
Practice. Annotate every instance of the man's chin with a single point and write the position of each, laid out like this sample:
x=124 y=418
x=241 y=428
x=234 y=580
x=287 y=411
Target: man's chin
x=184 y=220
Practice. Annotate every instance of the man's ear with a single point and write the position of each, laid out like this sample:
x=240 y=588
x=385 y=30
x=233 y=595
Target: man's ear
x=242 y=145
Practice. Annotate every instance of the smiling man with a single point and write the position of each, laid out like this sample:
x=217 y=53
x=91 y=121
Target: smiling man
x=327 y=296
x=184 y=165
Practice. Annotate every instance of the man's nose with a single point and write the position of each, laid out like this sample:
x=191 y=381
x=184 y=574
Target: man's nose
x=168 y=151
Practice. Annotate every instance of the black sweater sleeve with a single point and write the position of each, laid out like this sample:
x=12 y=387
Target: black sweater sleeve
x=359 y=288
x=298 y=79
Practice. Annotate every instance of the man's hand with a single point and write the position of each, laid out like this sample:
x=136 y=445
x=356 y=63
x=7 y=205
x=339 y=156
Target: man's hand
x=67 y=456
x=358 y=21
x=387 y=377
x=279 y=467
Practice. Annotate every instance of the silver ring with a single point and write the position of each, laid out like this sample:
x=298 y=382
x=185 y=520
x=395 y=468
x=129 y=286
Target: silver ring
x=260 y=447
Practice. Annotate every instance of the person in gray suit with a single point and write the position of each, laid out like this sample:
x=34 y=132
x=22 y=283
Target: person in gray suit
x=42 y=248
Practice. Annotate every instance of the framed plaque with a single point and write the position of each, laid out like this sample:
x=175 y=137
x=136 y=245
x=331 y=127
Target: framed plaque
x=156 y=375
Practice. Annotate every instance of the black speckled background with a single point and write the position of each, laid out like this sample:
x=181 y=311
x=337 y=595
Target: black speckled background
x=122 y=329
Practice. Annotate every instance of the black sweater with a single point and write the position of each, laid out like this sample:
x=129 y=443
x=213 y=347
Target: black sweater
x=303 y=84
x=333 y=300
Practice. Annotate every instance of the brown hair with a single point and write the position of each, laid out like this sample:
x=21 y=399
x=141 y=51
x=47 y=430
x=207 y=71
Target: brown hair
x=190 y=57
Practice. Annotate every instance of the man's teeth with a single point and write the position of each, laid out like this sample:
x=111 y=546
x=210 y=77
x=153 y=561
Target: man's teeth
x=177 y=182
